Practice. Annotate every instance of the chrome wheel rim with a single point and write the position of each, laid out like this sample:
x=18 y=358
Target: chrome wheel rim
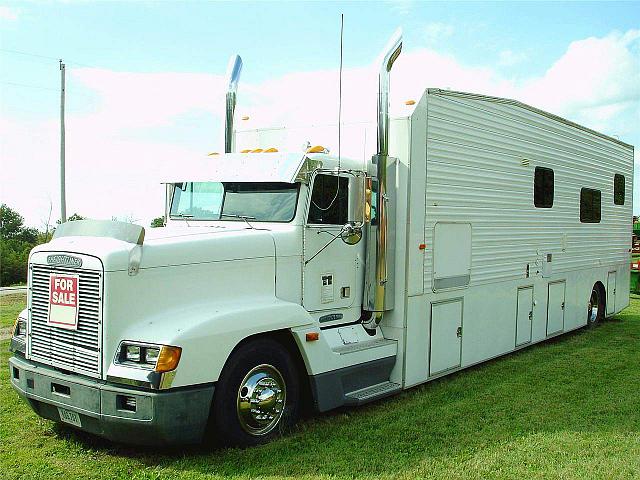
x=262 y=396
x=594 y=306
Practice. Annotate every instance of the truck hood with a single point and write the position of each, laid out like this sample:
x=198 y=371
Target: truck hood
x=171 y=246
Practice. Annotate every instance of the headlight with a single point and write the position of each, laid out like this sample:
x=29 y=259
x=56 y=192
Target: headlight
x=19 y=335
x=161 y=358
x=20 y=328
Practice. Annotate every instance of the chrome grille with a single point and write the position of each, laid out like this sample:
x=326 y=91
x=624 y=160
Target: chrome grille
x=73 y=350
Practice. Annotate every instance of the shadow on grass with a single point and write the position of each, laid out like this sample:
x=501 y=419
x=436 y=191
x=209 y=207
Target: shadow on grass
x=573 y=383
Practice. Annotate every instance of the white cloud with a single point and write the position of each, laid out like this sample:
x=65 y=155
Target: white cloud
x=437 y=31
x=401 y=7
x=508 y=58
x=9 y=13
x=146 y=122
x=593 y=73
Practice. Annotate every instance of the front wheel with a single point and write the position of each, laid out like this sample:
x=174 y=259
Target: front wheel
x=257 y=396
x=595 y=310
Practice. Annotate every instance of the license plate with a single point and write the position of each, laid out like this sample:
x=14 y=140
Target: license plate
x=63 y=301
x=67 y=416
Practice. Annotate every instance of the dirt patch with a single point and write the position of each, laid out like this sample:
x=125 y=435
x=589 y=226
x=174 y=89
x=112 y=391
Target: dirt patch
x=5 y=333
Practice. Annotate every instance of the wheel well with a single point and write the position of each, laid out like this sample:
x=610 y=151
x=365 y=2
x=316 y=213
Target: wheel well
x=603 y=293
x=285 y=338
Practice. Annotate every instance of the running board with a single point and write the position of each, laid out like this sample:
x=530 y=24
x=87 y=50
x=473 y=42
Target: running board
x=369 y=394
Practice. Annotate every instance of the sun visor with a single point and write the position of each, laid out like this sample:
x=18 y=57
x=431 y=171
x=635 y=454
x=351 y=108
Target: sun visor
x=126 y=232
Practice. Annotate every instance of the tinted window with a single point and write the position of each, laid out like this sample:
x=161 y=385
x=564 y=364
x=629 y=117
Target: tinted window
x=618 y=189
x=543 y=188
x=329 y=200
x=589 y=205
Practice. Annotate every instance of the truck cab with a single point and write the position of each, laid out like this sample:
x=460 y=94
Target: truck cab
x=224 y=320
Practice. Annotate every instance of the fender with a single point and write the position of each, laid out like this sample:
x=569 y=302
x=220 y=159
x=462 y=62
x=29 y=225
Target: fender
x=213 y=331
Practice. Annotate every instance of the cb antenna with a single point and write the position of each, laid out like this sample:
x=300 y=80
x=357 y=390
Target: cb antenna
x=340 y=91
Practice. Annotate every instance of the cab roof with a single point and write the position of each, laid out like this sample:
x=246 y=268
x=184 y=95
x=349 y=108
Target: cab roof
x=257 y=167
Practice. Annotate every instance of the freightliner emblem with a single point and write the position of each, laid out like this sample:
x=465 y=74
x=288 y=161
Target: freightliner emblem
x=64 y=260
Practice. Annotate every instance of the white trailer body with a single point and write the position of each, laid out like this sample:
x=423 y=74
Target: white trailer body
x=481 y=271
x=501 y=226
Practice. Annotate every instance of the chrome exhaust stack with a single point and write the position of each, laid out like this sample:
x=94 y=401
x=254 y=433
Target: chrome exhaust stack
x=379 y=290
x=233 y=75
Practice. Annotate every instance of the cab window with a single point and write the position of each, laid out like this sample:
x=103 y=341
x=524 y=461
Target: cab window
x=329 y=200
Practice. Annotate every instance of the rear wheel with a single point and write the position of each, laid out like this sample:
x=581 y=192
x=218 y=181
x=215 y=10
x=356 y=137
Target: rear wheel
x=595 y=310
x=258 y=394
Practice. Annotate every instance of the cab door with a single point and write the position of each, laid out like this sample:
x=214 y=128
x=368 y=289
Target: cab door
x=333 y=271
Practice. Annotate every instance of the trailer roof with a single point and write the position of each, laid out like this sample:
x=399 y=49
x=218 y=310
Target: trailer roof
x=516 y=103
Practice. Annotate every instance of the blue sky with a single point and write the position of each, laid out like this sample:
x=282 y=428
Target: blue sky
x=126 y=58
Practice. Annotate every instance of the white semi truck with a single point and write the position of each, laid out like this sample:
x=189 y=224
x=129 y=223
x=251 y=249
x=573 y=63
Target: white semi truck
x=290 y=280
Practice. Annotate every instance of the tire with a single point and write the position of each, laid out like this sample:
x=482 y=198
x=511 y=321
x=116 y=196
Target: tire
x=595 y=309
x=264 y=371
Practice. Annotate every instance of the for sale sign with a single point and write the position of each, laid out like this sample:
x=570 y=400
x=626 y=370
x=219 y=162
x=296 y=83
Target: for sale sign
x=63 y=301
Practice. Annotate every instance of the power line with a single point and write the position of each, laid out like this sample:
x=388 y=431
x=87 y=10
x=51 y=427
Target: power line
x=28 y=86
x=36 y=55
x=27 y=54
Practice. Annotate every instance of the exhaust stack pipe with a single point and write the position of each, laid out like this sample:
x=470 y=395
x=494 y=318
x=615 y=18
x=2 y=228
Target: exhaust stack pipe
x=379 y=296
x=233 y=75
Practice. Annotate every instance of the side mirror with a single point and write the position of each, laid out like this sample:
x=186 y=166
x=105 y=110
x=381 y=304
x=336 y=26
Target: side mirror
x=351 y=233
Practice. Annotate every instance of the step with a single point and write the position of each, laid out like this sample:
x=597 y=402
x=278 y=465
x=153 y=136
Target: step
x=374 y=392
x=356 y=347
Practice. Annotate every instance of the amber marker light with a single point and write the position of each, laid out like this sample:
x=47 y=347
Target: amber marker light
x=168 y=358
x=410 y=102
x=271 y=150
x=245 y=150
x=312 y=336
x=316 y=149
x=257 y=150
x=245 y=117
x=213 y=153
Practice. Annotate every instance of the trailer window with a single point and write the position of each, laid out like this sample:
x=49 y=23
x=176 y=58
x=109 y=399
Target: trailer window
x=329 y=200
x=543 y=188
x=618 y=189
x=589 y=205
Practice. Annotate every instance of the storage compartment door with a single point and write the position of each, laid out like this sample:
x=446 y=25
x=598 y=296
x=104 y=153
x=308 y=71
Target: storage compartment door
x=446 y=336
x=555 y=308
x=611 y=293
x=524 y=315
x=451 y=256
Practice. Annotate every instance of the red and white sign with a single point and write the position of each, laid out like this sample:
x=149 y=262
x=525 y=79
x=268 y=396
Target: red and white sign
x=63 y=301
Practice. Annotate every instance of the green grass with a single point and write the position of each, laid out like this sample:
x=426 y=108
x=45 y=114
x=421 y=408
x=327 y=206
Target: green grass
x=10 y=307
x=568 y=408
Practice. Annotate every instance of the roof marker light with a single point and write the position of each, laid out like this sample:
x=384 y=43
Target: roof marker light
x=271 y=150
x=247 y=150
x=410 y=102
x=317 y=149
x=257 y=150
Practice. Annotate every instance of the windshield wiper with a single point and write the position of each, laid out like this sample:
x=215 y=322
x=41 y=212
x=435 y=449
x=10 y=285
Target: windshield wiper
x=180 y=215
x=246 y=218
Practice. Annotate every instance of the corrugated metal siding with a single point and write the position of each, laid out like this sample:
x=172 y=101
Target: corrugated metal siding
x=475 y=173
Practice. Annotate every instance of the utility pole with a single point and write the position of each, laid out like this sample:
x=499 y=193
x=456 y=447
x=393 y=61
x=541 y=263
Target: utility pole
x=63 y=200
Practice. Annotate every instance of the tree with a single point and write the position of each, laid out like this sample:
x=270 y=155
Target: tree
x=12 y=226
x=72 y=218
x=157 y=222
x=16 y=241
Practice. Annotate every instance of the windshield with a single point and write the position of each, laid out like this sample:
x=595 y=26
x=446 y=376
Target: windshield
x=262 y=202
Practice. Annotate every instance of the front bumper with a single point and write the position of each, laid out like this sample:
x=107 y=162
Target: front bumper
x=160 y=418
